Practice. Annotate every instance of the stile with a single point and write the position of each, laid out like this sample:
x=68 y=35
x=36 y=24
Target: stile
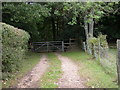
x=118 y=61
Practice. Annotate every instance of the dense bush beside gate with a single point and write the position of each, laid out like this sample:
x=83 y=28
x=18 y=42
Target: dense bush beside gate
x=14 y=45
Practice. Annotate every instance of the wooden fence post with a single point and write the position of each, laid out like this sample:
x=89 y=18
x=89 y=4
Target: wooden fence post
x=118 y=62
x=47 y=46
x=63 y=46
x=99 y=49
x=84 y=47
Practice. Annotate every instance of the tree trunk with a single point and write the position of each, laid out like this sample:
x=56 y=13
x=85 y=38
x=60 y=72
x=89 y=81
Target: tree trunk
x=87 y=33
x=53 y=23
x=91 y=25
x=89 y=30
x=57 y=27
x=86 y=27
x=53 y=28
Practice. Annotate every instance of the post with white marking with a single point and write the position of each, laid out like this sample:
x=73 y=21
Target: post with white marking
x=118 y=61
x=84 y=46
x=47 y=46
x=63 y=46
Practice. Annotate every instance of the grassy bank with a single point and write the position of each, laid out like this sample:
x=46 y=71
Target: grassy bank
x=90 y=69
x=30 y=61
x=50 y=78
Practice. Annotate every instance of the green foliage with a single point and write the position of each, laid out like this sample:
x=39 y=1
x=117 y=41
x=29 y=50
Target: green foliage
x=14 y=42
x=93 y=40
x=100 y=39
x=103 y=40
x=36 y=18
x=94 y=10
x=26 y=13
x=95 y=44
x=26 y=16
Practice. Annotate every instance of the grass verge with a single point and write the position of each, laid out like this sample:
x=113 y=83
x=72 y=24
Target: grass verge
x=90 y=69
x=112 y=61
x=31 y=59
x=50 y=78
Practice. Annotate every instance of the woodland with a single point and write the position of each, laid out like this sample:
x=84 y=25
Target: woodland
x=91 y=63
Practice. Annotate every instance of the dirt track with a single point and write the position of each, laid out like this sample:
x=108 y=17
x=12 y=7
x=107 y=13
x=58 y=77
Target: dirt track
x=70 y=77
x=31 y=80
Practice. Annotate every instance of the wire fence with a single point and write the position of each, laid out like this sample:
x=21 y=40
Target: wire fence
x=104 y=55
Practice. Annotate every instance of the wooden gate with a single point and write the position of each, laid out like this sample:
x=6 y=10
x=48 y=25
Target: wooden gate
x=51 y=46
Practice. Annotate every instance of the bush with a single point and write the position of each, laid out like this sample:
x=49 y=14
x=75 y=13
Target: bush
x=14 y=45
x=93 y=40
x=103 y=40
x=100 y=39
x=97 y=44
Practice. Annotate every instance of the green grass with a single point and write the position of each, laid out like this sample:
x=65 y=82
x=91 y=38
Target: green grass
x=53 y=73
x=109 y=63
x=112 y=59
x=90 y=69
x=113 y=51
x=30 y=61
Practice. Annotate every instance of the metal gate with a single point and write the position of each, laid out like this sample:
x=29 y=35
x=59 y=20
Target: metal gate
x=51 y=46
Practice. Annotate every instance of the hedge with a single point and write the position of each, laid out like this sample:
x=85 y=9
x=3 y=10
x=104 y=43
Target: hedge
x=14 y=45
